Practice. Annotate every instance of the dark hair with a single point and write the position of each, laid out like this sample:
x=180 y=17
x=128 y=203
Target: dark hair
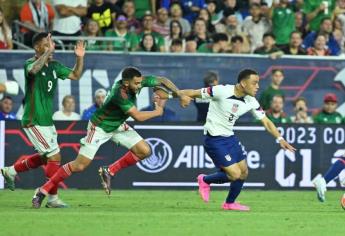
x=154 y=46
x=245 y=74
x=6 y=97
x=278 y=96
x=324 y=19
x=176 y=42
x=277 y=70
x=268 y=35
x=190 y=38
x=38 y=37
x=295 y=32
x=179 y=25
x=210 y=77
x=220 y=37
x=299 y=99
x=130 y=72
x=236 y=38
x=67 y=97
x=254 y=5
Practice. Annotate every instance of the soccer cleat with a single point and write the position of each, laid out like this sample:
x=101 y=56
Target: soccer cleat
x=320 y=185
x=342 y=201
x=204 y=188
x=9 y=179
x=235 y=207
x=105 y=179
x=38 y=198
x=58 y=203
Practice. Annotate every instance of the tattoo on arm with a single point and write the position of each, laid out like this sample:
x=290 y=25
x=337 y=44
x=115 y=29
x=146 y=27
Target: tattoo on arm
x=169 y=85
x=39 y=63
x=78 y=68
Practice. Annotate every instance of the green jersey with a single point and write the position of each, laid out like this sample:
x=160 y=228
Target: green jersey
x=159 y=40
x=39 y=92
x=328 y=118
x=141 y=6
x=131 y=40
x=114 y=110
x=283 y=20
x=282 y=119
x=267 y=95
x=205 y=48
x=311 y=5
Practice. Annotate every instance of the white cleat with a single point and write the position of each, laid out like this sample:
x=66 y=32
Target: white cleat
x=320 y=185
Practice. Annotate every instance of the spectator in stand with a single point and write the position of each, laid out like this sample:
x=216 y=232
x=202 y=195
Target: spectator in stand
x=148 y=44
x=328 y=114
x=300 y=23
x=326 y=28
x=5 y=33
x=200 y=32
x=67 y=20
x=255 y=26
x=6 y=106
x=161 y=25
x=339 y=37
x=231 y=6
x=92 y=30
x=144 y=6
x=319 y=48
x=212 y=9
x=269 y=47
x=237 y=45
x=191 y=8
x=176 y=46
x=104 y=13
x=191 y=45
x=301 y=112
x=37 y=14
x=129 y=9
x=148 y=29
x=277 y=78
x=120 y=30
x=283 y=22
x=276 y=112
x=99 y=99
x=68 y=110
x=205 y=14
x=176 y=14
x=220 y=44
x=339 y=8
x=295 y=45
x=175 y=33
x=316 y=11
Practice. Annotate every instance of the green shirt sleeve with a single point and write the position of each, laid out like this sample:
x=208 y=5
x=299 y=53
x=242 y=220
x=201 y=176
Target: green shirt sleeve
x=124 y=103
x=28 y=66
x=150 y=81
x=62 y=72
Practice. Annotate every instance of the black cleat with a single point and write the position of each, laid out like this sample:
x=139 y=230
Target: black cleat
x=105 y=179
x=37 y=199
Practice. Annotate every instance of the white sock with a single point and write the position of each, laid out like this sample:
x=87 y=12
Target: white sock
x=12 y=171
x=52 y=198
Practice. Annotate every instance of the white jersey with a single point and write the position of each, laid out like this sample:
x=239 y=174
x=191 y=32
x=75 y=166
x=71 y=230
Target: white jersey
x=225 y=108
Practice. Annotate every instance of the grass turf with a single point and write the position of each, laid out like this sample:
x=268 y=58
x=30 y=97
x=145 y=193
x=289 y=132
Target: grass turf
x=143 y=212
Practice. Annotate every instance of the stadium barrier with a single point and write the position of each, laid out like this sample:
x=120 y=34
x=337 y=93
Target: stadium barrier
x=178 y=156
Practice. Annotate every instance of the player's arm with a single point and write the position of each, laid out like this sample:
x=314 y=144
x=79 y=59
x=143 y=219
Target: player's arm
x=79 y=51
x=272 y=129
x=145 y=115
x=35 y=67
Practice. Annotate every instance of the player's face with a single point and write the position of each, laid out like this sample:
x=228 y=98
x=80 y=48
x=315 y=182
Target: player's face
x=251 y=85
x=42 y=46
x=135 y=84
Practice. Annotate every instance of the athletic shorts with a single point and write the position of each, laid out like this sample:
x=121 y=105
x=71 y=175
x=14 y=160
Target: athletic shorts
x=224 y=151
x=44 y=139
x=125 y=136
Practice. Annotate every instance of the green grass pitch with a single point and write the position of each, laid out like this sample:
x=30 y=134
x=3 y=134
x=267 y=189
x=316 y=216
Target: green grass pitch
x=143 y=212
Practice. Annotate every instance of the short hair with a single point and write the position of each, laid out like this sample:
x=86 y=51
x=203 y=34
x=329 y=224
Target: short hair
x=299 y=99
x=277 y=70
x=220 y=37
x=324 y=19
x=6 y=97
x=210 y=77
x=176 y=42
x=38 y=37
x=295 y=32
x=245 y=74
x=268 y=35
x=67 y=97
x=278 y=96
x=130 y=72
x=236 y=38
x=257 y=5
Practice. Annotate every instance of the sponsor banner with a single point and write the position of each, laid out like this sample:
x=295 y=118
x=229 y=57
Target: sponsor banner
x=178 y=156
x=2 y=150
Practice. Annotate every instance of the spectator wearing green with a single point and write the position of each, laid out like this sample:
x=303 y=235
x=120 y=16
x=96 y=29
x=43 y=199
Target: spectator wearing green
x=283 y=21
x=144 y=6
x=148 y=29
x=220 y=44
x=328 y=114
x=277 y=78
x=92 y=30
x=269 y=47
x=120 y=30
x=276 y=113
x=317 y=10
x=148 y=44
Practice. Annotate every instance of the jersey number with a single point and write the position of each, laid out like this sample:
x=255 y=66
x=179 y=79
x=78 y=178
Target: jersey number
x=50 y=85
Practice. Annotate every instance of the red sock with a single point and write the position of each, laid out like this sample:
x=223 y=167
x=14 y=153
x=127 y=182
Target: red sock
x=50 y=170
x=30 y=162
x=126 y=160
x=62 y=173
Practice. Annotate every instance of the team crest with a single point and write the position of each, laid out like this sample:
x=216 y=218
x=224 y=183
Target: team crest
x=234 y=108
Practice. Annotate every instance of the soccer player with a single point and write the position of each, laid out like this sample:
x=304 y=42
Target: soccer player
x=108 y=123
x=332 y=173
x=41 y=74
x=228 y=103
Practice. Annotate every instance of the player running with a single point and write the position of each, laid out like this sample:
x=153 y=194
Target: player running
x=108 y=123
x=41 y=75
x=321 y=182
x=228 y=103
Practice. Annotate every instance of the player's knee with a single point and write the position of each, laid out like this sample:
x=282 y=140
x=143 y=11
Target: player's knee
x=144 y=151
x=234 y=175
x=244 y=174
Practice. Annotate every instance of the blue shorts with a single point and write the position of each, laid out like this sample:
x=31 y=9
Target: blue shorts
x=224 y=151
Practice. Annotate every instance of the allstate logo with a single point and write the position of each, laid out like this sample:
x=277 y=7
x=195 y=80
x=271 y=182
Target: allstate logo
x=160 y=158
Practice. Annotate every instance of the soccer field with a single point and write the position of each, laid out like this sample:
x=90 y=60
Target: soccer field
x=173 y=213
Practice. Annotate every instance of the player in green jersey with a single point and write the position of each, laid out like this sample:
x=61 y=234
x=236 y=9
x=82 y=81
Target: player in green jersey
x=41 y=75
x=108 y=123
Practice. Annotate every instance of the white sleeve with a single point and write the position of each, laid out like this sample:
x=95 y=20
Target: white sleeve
x=215 y=92
x=256 y=110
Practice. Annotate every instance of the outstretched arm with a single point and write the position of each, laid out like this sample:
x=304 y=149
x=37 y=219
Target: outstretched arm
x=272 y=129
x=79 y=51
x=145 y=115
x=43 y=59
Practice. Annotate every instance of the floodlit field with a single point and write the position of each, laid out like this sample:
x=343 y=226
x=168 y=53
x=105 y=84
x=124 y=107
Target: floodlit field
x=173 y=213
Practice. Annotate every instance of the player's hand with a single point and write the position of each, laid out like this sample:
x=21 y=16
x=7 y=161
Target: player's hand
x=159 y=108
x=79 y=49
x=286 y=146
x=51 y=44
x=185 y=101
